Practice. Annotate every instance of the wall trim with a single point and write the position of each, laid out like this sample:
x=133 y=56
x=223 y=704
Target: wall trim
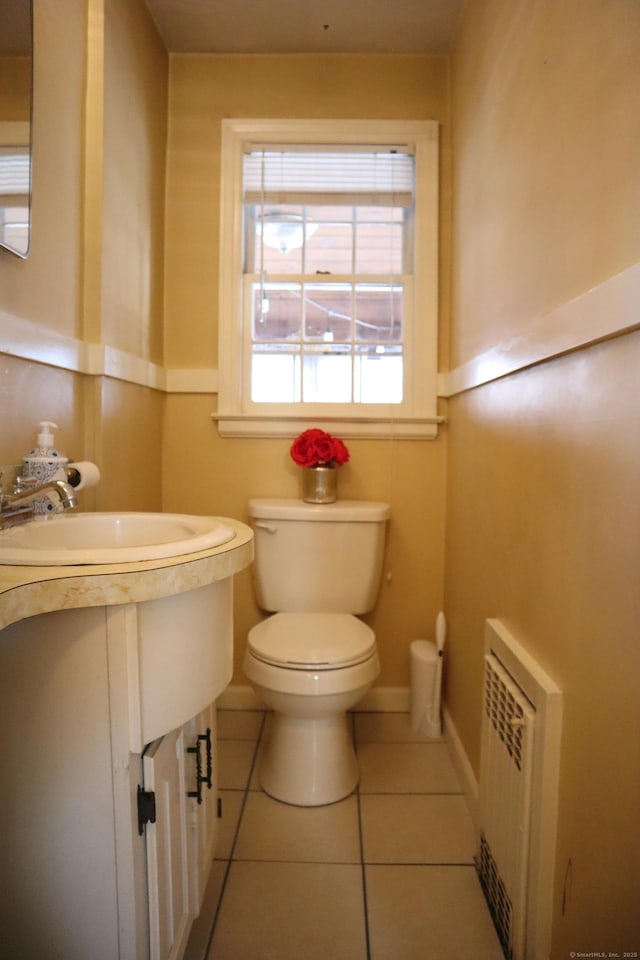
x=605 y=311
x=28 y=341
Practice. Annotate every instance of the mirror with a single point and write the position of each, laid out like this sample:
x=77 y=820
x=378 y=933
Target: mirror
x=16 y=87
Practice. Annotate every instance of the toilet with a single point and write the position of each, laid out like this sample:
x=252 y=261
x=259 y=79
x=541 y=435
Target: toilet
x=317 y=567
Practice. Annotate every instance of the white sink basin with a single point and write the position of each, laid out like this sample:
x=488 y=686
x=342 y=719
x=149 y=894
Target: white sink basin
x=94 y=538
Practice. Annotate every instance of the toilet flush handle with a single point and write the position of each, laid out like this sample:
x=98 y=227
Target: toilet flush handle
x=266 y=526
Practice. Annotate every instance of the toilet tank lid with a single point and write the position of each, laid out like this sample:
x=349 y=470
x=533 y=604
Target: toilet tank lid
x=353 y=511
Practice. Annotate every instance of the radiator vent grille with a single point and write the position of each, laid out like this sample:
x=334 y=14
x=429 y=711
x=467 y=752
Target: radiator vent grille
x=505 y=803
x=504 y=711
x=496 y=896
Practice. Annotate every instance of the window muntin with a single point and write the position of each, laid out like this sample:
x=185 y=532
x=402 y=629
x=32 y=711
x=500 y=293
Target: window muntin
x=352 y=222
x=411 y=357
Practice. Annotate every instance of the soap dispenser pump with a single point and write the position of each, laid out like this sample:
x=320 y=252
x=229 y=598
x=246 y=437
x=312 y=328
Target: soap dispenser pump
x=44 y=462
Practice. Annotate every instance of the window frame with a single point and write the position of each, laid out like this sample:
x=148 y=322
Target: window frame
x=417 y=416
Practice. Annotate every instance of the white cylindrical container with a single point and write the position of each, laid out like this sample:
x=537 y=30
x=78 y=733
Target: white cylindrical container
x=425 y=664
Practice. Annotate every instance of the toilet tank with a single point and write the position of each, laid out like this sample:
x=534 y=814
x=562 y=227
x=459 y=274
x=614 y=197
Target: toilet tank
x=322 y=558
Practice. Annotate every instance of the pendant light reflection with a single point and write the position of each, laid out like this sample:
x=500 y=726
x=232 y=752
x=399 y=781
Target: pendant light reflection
x=284 y=231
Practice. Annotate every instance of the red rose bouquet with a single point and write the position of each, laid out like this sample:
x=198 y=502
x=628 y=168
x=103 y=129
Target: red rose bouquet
x=316 y=448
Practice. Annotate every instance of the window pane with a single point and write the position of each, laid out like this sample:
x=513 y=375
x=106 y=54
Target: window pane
x=330 y=248
x=279 y=238
x=275 y=375
x=327 y=375
x=378 y=248
x=328 y=311
x=378 y=375
x=277 y=311
x=378 y=309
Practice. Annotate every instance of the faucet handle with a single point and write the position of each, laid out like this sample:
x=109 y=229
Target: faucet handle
x=22 y=484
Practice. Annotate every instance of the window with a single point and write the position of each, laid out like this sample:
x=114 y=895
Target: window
x=328 y=276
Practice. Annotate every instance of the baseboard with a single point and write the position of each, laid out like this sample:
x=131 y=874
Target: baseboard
x=462 y=766
x=385 y=700
x=239 y=698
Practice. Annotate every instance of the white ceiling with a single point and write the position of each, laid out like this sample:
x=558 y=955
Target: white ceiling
x=306 y=26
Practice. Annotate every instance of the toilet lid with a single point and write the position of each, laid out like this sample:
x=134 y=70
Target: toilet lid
x=312 y=641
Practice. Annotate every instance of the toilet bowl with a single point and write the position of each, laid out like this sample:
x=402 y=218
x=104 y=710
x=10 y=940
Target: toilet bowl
x=310 y=684
x=317 y=567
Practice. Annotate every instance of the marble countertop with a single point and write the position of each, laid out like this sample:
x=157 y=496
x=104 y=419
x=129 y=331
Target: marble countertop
x=28 y=591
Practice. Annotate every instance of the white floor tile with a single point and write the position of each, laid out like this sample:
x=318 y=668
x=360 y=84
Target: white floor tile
x=231 y=802
x=406 y=768
x=235 y=758
x=416 y=829
x=418 y=912
x=291 y=911
x=386 y=728
x=276 y=831
x=295 y=888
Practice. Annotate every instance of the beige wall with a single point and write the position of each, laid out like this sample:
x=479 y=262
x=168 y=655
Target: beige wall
x=94 y=272
x=135 y=135
x=204 y=90
x=205 y=473
x=542 y=475
x=15 y=83
x=543 y=516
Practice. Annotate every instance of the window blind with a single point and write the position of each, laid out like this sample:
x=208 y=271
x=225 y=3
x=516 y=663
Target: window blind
x=14 y=172
x=328 y=176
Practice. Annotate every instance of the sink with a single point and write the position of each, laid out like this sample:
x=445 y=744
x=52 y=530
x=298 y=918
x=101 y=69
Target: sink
x=92 y=538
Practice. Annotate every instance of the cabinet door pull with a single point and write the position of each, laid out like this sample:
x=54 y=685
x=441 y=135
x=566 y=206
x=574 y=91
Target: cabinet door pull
x=197 y=793
x=207 y=738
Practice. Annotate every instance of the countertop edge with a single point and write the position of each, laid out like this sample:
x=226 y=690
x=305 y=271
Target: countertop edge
x=29 y=591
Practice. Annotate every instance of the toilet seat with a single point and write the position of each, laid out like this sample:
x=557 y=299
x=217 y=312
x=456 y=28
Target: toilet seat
x=312 y=641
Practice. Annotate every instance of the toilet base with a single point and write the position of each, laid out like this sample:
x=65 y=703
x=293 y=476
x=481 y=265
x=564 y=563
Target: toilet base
x=309 y=761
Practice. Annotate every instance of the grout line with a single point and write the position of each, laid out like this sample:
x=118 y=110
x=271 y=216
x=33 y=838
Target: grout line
x=364 y=883
x=462 y=865
x=367 y=937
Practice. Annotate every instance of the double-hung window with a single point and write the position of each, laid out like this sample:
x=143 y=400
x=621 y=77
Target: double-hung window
x=328 y=276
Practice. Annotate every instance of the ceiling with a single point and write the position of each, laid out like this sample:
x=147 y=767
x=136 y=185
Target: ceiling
x=15 y=28
x=307 y=26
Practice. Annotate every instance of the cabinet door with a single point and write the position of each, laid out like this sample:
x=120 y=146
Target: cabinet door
x=201 y=736
x=167 y=840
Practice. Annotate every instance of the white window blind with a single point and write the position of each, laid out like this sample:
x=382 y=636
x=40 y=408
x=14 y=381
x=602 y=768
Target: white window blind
x=290 y=175
x=14 y=172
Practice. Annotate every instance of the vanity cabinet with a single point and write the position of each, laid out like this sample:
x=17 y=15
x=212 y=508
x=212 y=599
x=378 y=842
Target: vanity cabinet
x=96 y=704
x=180 y=774
x=204 y=816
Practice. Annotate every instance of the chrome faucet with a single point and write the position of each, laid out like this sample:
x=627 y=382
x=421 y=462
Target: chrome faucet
x=16 y=508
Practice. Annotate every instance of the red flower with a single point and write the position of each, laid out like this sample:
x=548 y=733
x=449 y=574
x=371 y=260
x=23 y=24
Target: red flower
x=315 y=448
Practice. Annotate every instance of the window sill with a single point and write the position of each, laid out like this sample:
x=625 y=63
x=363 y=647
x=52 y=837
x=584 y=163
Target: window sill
x=398 y=429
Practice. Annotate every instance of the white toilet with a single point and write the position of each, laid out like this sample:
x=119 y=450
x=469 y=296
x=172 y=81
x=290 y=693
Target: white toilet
x=317 y=565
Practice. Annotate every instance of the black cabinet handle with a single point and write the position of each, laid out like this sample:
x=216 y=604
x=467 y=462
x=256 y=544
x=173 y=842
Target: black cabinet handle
x=197 y=793
x=207 y=738
x=200 y=779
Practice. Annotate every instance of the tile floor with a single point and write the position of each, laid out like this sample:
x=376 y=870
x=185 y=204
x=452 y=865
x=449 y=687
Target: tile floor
x=386 y=874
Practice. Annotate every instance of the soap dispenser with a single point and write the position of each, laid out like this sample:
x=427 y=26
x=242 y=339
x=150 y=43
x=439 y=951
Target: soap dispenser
x=44 y=462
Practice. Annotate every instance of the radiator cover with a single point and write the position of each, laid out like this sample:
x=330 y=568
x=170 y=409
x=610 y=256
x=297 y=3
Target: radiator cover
x=518 y=791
